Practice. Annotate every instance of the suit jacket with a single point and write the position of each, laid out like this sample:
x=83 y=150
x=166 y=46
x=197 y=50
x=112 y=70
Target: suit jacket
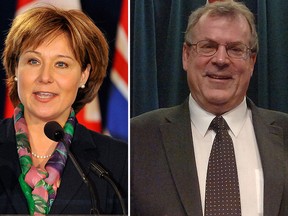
x=73 y=195
x=164 y=177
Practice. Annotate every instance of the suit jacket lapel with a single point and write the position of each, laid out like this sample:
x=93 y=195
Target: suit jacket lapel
x=271 y=149
x=71 y=181
x=9 y=179
x=178 y=144
x=10 y=170
x=177 y=139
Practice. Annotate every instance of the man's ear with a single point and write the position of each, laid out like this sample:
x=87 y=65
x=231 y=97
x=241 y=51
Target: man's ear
x=185 y=56
x=253 y=58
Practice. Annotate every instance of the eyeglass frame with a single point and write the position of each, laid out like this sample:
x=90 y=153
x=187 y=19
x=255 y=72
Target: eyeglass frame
x=246 y=53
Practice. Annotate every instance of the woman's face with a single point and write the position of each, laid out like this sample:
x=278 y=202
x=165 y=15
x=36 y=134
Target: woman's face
x=48 y=80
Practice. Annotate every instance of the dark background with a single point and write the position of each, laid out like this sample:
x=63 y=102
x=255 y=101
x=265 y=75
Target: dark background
x=157 y=31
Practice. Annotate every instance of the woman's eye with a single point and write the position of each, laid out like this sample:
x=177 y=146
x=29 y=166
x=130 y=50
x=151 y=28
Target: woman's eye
x=61 y=64
x=33 y=62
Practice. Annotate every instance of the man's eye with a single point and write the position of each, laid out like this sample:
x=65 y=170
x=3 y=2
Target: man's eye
x=208 y=46
x=236 y=49
x=211 y=46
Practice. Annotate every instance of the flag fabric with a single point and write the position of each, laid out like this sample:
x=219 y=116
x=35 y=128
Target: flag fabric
x=117 y=113
x=8 y=108
x=90 y=115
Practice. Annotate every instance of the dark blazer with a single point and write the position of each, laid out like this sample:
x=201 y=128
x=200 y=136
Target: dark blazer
x=164 y=178
x=72 y=196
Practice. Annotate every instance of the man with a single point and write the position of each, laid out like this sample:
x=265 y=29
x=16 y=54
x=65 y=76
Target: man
x=170 y=148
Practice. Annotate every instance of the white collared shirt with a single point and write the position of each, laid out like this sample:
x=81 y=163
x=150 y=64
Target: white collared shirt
x=248 y=161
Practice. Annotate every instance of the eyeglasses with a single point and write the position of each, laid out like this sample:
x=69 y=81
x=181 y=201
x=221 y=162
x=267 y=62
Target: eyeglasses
x=235 y=50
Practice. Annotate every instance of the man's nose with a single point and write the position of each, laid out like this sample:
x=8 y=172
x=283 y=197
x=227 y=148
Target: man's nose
x=221 y=57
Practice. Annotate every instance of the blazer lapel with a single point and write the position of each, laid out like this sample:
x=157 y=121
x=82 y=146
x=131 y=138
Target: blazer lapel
x=10 y=170
x=9 y=180
x=71 y=181
x=177 y=139
x=271 y=149
x=178 y=144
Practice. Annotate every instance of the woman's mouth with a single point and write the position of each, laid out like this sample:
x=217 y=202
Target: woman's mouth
x=44 y=95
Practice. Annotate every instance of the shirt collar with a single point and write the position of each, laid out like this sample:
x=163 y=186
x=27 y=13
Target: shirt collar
x=201 y=119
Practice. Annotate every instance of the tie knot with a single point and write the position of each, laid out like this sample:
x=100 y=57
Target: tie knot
x=218 y=124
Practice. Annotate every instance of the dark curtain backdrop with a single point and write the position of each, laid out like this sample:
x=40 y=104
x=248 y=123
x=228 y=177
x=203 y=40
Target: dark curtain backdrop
x=105 y=15
x=157 y=32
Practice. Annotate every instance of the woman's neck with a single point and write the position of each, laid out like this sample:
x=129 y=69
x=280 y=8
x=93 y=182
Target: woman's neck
x=41 y=146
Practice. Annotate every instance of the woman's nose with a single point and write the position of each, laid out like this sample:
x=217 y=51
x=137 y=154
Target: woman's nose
x=46 y=74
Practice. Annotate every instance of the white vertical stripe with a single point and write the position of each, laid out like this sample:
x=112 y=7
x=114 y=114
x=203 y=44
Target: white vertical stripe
x=92 y=111
x=119 y=83
x=122 y=42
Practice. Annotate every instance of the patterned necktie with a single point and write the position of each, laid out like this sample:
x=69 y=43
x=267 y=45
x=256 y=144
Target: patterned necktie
x=222 y=187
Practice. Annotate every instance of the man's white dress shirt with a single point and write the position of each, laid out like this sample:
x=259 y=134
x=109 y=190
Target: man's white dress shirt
x=248 y=161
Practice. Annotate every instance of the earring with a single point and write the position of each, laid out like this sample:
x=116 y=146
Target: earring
x=15 y=79
x=82 y=86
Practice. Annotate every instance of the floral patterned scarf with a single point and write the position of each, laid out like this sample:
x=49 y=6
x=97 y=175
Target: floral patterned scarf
x=40 y=185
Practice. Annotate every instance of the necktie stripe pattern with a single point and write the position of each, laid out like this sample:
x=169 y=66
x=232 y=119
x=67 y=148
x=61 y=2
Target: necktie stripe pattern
x=222 y=187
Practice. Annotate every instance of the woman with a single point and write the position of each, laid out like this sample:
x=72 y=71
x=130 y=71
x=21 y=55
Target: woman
x=55 y=62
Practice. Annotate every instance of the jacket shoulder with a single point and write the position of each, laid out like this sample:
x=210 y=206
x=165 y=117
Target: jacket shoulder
x=98 y=139
x=111 y=153
x=162 y=115
x=273 y=117
x=6 y=123
x=7 y=130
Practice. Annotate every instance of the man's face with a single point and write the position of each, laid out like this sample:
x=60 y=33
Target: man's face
x=218 y=83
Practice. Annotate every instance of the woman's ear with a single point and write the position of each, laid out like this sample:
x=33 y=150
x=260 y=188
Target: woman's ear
x=85 y=75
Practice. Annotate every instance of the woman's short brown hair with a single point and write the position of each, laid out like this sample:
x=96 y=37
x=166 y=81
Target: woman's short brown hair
x=89 y=45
